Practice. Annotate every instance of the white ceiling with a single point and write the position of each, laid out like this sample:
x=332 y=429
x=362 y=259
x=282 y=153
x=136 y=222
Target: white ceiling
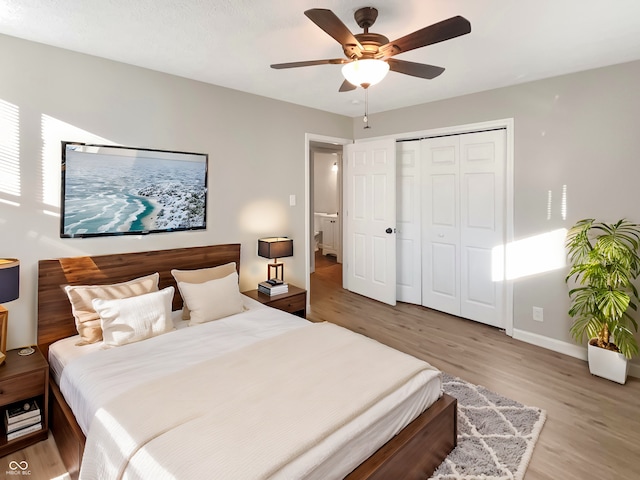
x=231 y=43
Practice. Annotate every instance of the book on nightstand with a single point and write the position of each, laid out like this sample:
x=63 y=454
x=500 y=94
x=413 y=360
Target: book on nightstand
x=19 y=411
x=24 y=431
x=273 y=289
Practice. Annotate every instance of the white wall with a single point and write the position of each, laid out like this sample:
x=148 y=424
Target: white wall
x=256 y=150
x=325 y=183
x=578 y=130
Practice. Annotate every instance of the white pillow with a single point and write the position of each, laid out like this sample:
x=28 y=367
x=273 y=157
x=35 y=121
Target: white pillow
x=87 y=319
x=200 y=275
x=132 y=319
x=212 y=300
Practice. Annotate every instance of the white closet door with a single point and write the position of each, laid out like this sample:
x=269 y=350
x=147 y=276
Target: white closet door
x=463 y=225
x=441 y=224
x=408 y=238
x=482 y=211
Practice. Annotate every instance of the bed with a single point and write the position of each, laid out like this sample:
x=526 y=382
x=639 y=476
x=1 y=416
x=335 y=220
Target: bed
x=396 y=438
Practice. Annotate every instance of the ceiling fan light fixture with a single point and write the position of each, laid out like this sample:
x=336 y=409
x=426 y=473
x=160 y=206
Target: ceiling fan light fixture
x=364 y=73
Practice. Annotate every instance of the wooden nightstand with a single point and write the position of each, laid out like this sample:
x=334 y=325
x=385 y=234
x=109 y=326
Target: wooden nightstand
x=294 y=301
x=24 y=378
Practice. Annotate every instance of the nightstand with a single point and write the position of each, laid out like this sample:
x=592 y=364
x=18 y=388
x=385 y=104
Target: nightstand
x=294 y=301
x=23 y=378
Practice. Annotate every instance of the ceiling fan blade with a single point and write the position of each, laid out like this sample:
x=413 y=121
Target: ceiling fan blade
x=309 y=63
x=346 y=87
x=438 y=32
x=414 y=69
x=332 y=25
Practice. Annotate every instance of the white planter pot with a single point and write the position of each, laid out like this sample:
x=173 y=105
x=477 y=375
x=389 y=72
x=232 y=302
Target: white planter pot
x=608 y=364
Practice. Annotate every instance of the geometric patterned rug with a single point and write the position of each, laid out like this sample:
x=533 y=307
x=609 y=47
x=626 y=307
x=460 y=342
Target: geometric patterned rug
x=496 y=435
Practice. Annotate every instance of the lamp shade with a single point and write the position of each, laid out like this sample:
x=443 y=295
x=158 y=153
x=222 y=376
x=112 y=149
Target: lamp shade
x=9 y=279
x=275 y=247
x=364 y=73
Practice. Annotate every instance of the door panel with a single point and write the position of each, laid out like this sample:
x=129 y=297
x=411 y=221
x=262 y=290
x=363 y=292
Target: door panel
x=479 y=193
x=444 y=278
x=482 y=168
x=441 y=224
x=359 y=255
x=408 y=243
x=444 y=201
x=479 y=283
x=380 y=197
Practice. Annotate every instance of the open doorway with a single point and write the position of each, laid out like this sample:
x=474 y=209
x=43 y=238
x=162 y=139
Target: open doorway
x=325 y=212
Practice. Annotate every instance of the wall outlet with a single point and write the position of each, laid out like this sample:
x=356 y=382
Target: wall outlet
x=538 y=314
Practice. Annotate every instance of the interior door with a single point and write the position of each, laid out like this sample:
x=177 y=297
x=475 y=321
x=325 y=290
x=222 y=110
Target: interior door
x=370 y=216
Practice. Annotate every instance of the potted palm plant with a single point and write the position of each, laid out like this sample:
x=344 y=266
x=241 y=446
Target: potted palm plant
x=604 y=263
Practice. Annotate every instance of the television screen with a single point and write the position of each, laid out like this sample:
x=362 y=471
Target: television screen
x=113 y=190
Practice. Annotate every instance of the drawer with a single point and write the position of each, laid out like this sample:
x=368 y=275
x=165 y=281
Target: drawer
x=290 y=304
x=22 y=387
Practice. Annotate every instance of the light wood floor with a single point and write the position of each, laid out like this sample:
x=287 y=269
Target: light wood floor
x=593 y=425
x=592 y=430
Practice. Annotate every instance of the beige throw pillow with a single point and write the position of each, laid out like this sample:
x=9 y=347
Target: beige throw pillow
x=81 y=296
x=132 y=319
x=200 y=276
x=213 y=299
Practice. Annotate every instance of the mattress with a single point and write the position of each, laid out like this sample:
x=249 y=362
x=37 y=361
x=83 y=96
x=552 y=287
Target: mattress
x=91 y=376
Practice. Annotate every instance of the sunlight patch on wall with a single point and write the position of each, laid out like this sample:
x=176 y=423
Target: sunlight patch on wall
x=55 y=131
x=530 y=256
x=9 y=150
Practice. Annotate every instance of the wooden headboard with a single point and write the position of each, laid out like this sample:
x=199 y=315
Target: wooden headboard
x=55 y=320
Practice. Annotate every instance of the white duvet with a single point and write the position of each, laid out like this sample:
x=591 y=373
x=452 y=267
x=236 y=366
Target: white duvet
x=91 y=381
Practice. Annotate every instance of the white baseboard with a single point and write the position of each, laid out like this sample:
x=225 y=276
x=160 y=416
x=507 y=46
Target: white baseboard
x=565 y=348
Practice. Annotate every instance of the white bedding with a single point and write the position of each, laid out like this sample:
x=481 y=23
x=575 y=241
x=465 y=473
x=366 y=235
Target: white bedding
x=104 y=374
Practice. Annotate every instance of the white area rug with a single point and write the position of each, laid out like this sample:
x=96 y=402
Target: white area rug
x=496 y=435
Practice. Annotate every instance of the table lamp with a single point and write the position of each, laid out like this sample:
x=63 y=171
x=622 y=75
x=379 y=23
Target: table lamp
x=9 y=291
x=275 y=248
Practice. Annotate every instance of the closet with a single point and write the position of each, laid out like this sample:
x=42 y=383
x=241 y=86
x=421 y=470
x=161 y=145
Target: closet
x=451 y=196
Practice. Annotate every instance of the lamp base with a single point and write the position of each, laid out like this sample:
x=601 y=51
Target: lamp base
x=26 y=351
x=278 y=271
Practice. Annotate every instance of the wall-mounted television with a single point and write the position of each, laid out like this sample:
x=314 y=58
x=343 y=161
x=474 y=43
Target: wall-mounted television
x=115 y=190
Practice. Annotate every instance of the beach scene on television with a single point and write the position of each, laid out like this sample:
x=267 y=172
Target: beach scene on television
x=122 y=190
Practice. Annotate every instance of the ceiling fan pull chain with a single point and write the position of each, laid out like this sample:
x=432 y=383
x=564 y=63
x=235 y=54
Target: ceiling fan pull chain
x=365 y=119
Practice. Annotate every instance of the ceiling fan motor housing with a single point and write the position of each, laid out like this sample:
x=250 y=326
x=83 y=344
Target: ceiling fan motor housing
x=365 y=17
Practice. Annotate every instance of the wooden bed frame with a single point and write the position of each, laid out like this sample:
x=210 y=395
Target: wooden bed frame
x=412 y=454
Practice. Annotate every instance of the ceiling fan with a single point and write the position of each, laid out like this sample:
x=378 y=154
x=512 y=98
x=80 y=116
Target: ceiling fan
x=369 y=55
